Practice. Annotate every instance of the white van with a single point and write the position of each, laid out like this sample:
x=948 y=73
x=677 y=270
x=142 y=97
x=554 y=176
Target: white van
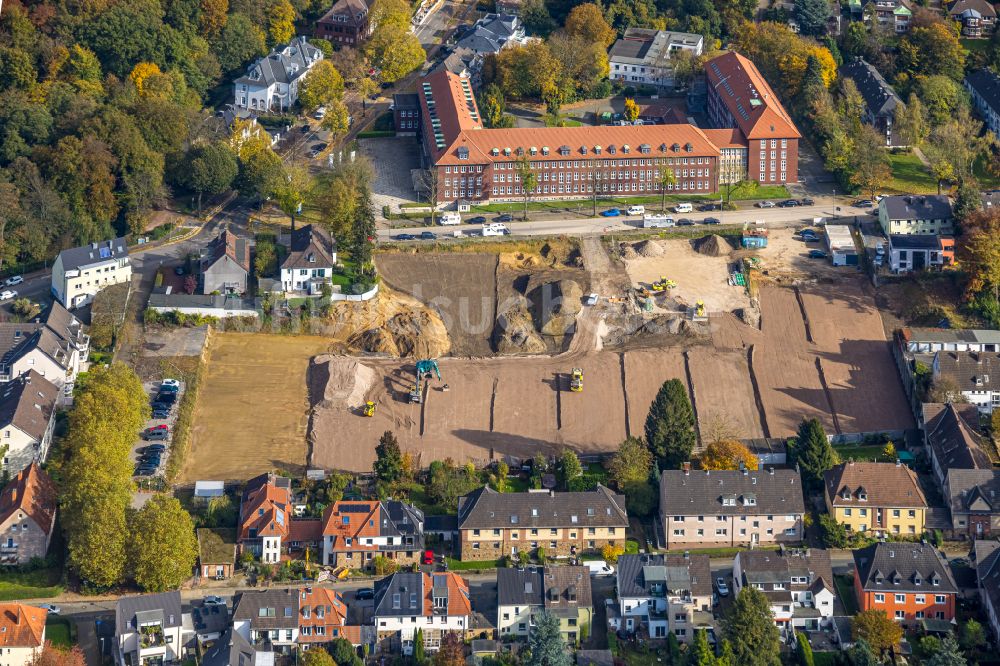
x=449 y=218
x=657 y=221
x=495 y=229
x=635 y=210
x=683 y=208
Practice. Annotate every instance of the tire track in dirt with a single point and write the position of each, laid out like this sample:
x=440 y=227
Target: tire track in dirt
x=757 y=399
x=621 y=363
x=694 y=400
x=829 y=395
x=802 y=311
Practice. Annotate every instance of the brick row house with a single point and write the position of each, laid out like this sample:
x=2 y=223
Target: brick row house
x=346 y=23
x=909 y=582
x=492 y=525
x=987 y=560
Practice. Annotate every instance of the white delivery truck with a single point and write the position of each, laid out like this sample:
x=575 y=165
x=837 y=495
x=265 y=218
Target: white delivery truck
x=495 y=229
x=635 y=210
x=651 y=221
x=449 y=218
x=683 y=208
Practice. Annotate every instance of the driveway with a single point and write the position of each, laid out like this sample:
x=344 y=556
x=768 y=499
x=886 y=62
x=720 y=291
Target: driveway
x=393 y=159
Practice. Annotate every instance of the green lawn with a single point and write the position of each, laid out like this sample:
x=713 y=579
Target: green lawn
x=909 y=175
x=726 y=552
x=585 y=206
x=38 y=584
x=824 y=658
x=862 y=453
x=57 y=630
x=985 y=180
x=845 y=590
x=458 y=565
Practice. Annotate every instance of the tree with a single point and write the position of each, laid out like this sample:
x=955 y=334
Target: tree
x=813 y=454
x=261 y=172
x=861 y=654
x=877 y=630
x=383 y=566
x=52 y=655
x=726 y=656
x=317 y=656
x=419 y=655
x=337 y=120
x=728 y=454
x=212 y=18
x=363 y=233
x=388 y=458
x=749 y=627
x=546 y=643
x=834 y=532
x=240 y=41
x=870 y=164
x=499 y=481
x=632 y=462
x=611 y=552
x=211 y=168
x=321 y=86
x=493 y=107
x=569 y=467
x=280 y=17
x=452 y=650
x=804 y=651
x=941 y=97
x=641 y=497
x=631 y=110
x=666 y=178
x=701 y=653
x=527 y=180
x=524 y=71
x=950 y=654
x=163 y=548
x=344 y=653
x=290 y=194
x=587 y=21
x=972 y=635
x=670 y=425
x=395 y=51
x=968 y=199
x=812 y=16
x=911 y=122
x=932 y=49
x=979 y=252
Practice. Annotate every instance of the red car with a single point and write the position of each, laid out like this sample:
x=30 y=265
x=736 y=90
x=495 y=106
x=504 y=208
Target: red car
x=428 y=557
x=162 y=426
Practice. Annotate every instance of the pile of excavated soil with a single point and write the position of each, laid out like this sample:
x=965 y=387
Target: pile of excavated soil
x=649 y=248
x=713 y=246
x=556 y=306
x=393 y=324
x=339 y=381
x=515 y=332
x=628 y=252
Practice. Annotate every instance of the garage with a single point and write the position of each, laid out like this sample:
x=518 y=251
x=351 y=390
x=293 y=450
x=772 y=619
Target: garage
x=840 y=242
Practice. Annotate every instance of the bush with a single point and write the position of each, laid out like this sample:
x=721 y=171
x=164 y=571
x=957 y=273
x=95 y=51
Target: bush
x=23 y=307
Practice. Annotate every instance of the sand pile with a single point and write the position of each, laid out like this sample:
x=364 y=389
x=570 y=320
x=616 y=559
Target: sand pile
x=393 y=324
x=515 y=332
x=712 y=246
x=556 y=306
x=339 y=381
x=649 y=248
x=628 y=252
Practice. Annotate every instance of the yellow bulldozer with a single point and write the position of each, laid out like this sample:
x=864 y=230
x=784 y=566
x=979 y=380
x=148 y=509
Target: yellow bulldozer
x=663 y=284
x=576 y=380
x=369 y=409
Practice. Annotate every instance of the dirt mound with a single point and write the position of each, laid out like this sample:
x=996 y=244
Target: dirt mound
x=713 y=246
x=556 y=305
x=627 y=251
x=392 y=324
x=515 y=332
x=338 y=381
x=649 y=248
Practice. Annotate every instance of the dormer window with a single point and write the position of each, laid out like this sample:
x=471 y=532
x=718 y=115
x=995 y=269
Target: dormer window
x=862 y=496
x=846 y=494
x=532 y=151
x=917 y=579
x=463 y=153
x=513 y=520
x=935 y=580
x=612 y=150
x=583 y=150
x=625 y=149
x=676 y=147
x=545 y=150
x=688 y=148
x=495 y=152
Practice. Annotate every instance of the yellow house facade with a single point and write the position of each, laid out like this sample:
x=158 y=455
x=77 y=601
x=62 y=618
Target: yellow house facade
x=884 y=498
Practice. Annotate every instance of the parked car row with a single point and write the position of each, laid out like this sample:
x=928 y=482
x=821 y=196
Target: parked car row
x=151 y=455
x=787 y=203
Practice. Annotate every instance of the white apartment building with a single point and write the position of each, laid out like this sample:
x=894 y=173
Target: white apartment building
x=80 y=272
x=644 y=57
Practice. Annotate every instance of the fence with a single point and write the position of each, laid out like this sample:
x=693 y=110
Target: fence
x=357 y=298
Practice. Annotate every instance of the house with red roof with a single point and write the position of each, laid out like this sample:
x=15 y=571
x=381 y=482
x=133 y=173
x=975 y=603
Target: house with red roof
x=407 y=602
x=265 y=517
x=27 y=516
x=355 y=532
x=22 y=633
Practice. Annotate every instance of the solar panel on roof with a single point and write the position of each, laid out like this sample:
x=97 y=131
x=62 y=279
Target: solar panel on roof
x=354 y=508
x=105 y=252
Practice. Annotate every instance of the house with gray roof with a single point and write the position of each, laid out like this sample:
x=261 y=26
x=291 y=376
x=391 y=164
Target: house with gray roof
x=150 y=628
x=703 y=508
x=661 y=594
x=978 y=17
x=916 y=214
x=490 y=35
x=645 y=57
x=268 y=619
x=798 y=585
x=975 y=374
x=234 y=650
x=919 y=340
x=492 y=524
x=272 y=83
x=80 y=272
x=225 y=264
x=526 y=592
x=881 y=101
x=312 y=255
x=988 y=579
x=984 y=87
x=974 y=498
x=55 y=345
x=27 y=419
x=953 y=438
x=909 y=582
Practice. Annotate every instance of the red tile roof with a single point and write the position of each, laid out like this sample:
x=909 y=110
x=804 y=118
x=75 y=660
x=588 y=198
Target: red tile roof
x=458 y=594
x=454 y=106
x=32 y=493
x=305 y=530
x=360 y=521
x=265 y=509
x=21 y=625
x=726 y=138
x=749 y=98
x=334 y=613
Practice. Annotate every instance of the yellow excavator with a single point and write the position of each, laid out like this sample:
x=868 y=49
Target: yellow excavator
x=576 y=380
x=663 y=284
x=369 y=409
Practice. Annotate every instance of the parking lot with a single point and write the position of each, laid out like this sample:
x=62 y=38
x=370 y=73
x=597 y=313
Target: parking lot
x=145 y=439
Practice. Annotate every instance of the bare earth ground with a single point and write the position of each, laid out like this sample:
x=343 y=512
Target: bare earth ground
x=252 y=413
x=723 y=391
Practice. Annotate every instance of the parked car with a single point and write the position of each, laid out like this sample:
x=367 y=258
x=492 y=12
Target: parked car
x=153 y=448
x=403 y=237
x=765 y=204
x=320 y=113
x=214 y=600
x=599 y=568
x=817 y=254
x=365 y=593
x=428 y=557
x=51 y=608
x=611 y=212
x=506 y=217
x=789 y=203
x=809 y=236
x=428 y=235
x=864 y=203
x=8 y=294
x=479 y=219
x=162 y=426
x=720 y=585
x=685 y=222
x=708 y=207
x=12 y=281
x=711 y=220
x=156 y=436
x=144 y=471
x=807 y=202
x=168 y=397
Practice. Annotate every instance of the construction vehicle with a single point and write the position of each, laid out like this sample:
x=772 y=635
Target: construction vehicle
x=576 y=380
x=697 y=313
x=663 y=284
x=425 y=369
x=369 y=409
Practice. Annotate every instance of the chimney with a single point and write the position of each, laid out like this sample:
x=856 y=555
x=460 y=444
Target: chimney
x=770 y=470
x=898 y=462
x=686 y=466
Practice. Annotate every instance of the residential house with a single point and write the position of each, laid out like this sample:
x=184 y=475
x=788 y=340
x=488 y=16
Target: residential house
x=54 y=345
x=209 y=621
x=526 y=592
x=894 y=15
x=984 y=87
x=973 y=373
x=234 y=650
x=663 y=593
x=909 y=582
x=974 y=498
x=930 y=340
x=149 y=629
x=406 y=113
x=730 y=508
x=913 y=214
x=27 y=516
x=769 y=451
x=216 y=552
x=346 y=23
x=268 y=619
x=353 y=533
x=909 y=252
x=322 y=616
x=312 y=255
x=27 y=419
x=490 y=35
x=881 y=101
x=492 y=524
x=241 y=126
x=645 y=57
x=23 y=631
x=406 y=602
x=798 y=585
x=884 y=498
x=265 y=516
x=978 y=18
x=80 y=272
x=225 y=264
x=953 y=438
x=988 y=581
x=272 y=83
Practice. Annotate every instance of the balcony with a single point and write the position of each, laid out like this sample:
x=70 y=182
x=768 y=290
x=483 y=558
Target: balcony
x=151 y=637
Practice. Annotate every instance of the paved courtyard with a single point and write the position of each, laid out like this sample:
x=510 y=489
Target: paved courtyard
x=392 y=158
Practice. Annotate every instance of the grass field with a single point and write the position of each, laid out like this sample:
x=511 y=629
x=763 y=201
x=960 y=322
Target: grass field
x=253 y=413
x=845 y=590
x=57 y=630
x=862 y=453
x=38 y=584
x=909 y=175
